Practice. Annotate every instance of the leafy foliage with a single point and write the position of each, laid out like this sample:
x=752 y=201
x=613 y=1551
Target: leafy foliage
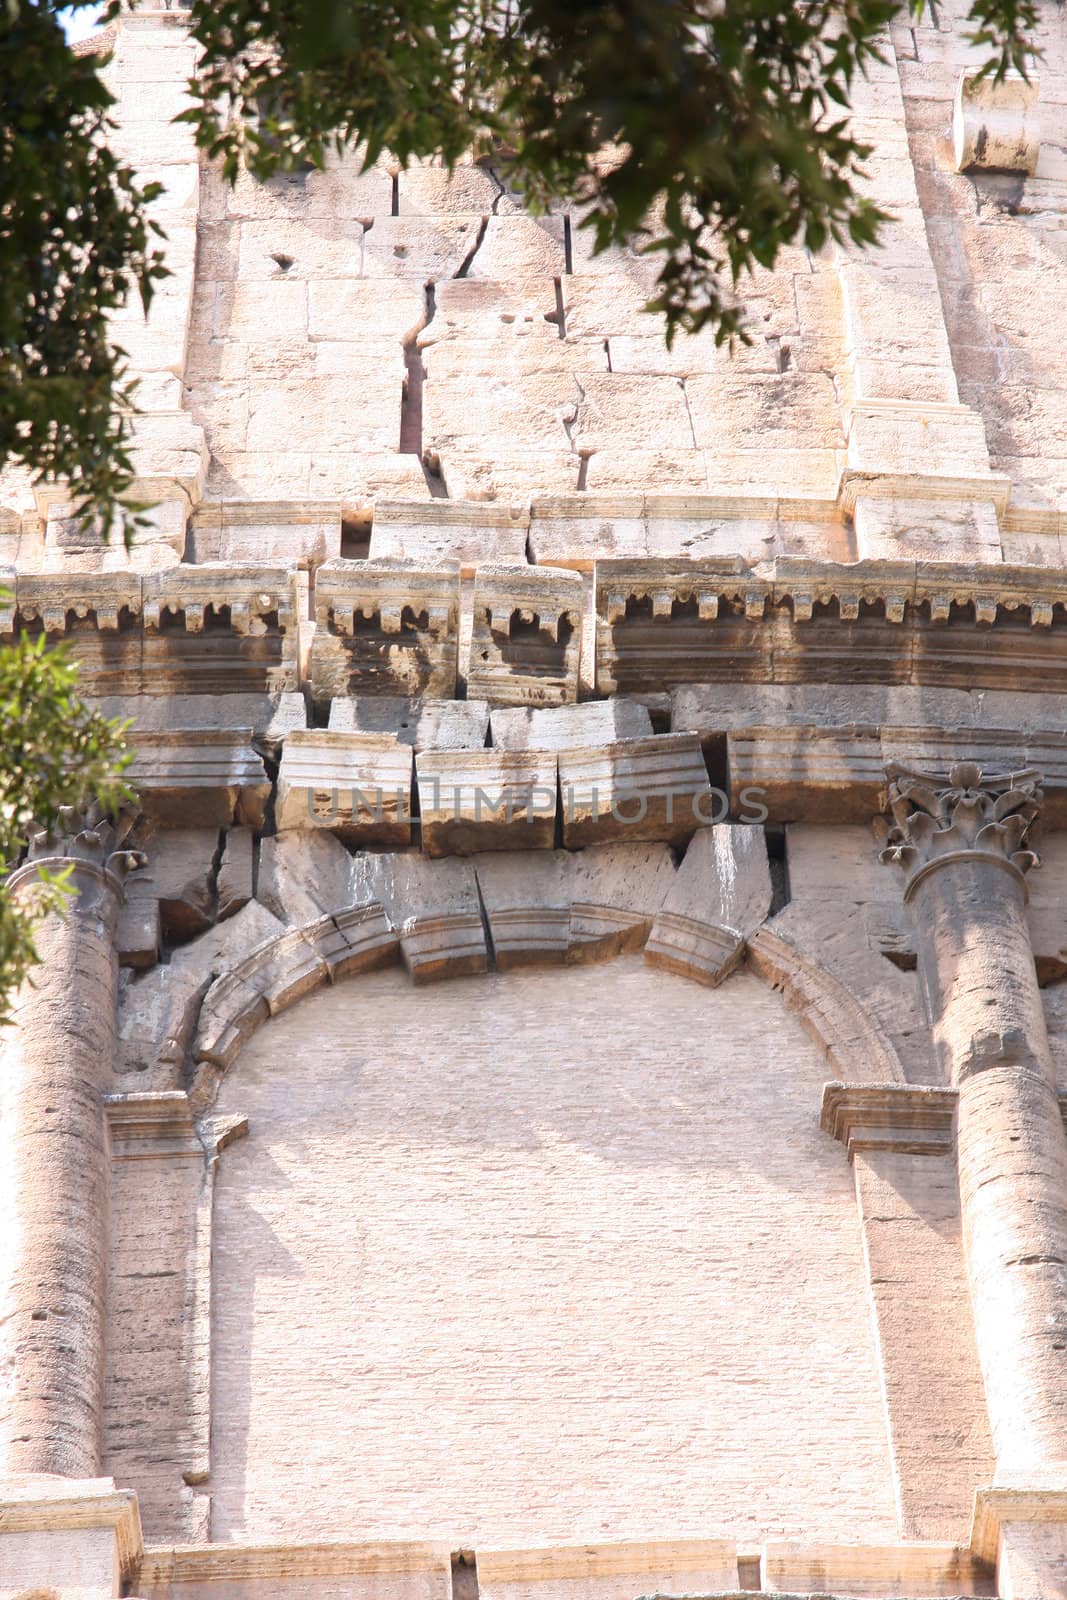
x=74 y=241
x=727 y=118
x=55 y=753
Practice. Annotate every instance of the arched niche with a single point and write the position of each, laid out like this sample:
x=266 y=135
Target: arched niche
x=540 y=1256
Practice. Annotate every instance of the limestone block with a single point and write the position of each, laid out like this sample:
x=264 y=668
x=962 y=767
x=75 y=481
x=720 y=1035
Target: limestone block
x=574 y=530
x=237 y=531
x=619 y=411
x=385 y=628
x=614 y=468
x=996 y=125
x=434 y=907
x=273 y=977
x=933 y=530
x=446 y=358
x=284 y=251
x=527 y=900
x=468 y=411
x=594 y=722
x=809 y=774
x=180 y=875
x=423 y=724
x=138 y=936
x=168 y=450
x=812 y=474
x=361 y=310
x=158 y=1012
x=303 y=875
x=894 y=312
x=224 y=628
x=526 y=637
x=648 y=354
x=319 y=413
x=720 y=895
x=474 y=800
x=599 y=1572
x=657 y=619
x=600 y=306
x=234 y=881
x=420 y=248
x=68 y=1538
x=634 y=790
x=359 y=481
x=346 y=188
x=616 y=891
x=263 y=313
x=916 y=437
x=935 y=1569
x=466 y=309
x=435 y=530
x=520 y=247
x=426 y=188
x=205 y=778
x=508 y=475
x=270 y=717
x=356 y=784
x=791 y=410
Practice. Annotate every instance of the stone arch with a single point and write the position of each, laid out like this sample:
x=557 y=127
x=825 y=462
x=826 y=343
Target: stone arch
x=540 y=918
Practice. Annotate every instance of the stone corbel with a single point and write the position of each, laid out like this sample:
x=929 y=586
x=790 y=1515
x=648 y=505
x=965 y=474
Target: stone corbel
x=995 y=125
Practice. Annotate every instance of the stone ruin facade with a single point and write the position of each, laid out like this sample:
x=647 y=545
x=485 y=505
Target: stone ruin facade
x=706 y=1231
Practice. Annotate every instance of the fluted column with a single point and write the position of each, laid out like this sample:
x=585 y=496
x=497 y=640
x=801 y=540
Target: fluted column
x=54 y=1181
x=961 y=845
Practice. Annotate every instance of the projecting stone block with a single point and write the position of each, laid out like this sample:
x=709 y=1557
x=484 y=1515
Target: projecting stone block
x=356 y=784
x=527 y=635
x=594 y=722
x=204 y=778
x=616 y=891
x=634 y=790
x=304 y=874
x=180 y=875
x=139 y=934
x=527 y=899
x=223 y=629
x=431 y=531
x=434 y=907
x=472 y=800
x=720 y=894
x=995 y=125
x=234 y=882
x=385 y=629
x=423 y=724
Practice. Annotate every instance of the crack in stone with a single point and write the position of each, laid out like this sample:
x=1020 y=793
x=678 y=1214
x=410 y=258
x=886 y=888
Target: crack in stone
x=465 y=264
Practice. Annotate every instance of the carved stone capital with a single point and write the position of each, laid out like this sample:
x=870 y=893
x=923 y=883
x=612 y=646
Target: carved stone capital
x=971 y=815
x=90 y=846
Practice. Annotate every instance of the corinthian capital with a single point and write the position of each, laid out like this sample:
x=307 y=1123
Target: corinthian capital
x=973 y=814
x=89 y=846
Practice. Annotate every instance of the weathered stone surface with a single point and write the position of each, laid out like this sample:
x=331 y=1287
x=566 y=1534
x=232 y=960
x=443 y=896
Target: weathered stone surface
x=527 y=900
x=423 y=724
x=472 y=800
x=434 y=907
x=385 y=629
x=595 y=722
x=356 y=784
x=205 y=778
x=719 y=897
x=304 y=874
x=616 y=891
x=234 y=882
x=526 y=637
x=634 y=789
x=181 y=876
x=996 y=125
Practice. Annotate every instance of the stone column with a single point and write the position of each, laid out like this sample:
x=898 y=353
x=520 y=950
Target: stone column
x=54 y=1181
x=961 y=845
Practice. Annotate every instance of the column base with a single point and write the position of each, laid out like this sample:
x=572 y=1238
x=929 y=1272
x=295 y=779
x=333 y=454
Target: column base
x=69 y=1538
x=1020 y=1524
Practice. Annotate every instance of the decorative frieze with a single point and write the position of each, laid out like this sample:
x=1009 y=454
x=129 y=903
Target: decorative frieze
x=526 y=637
x=385 y=628
x=660 y=624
